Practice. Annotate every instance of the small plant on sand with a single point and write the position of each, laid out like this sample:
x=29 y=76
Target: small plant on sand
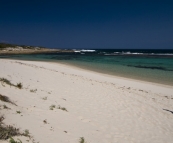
x=45 y=121
x=26 y=133
x=4 y=80
x=6 y=99
x=62 y=108
x=52 y=107
x=19 y=85
x=33 y=90
x=82 y=140
x=44 y=98
x=1 y=119
x=8 y=131
x=13 y=141
x=5 y=107
x=18 y=112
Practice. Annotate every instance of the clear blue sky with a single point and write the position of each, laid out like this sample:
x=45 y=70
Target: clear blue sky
x=88 y=23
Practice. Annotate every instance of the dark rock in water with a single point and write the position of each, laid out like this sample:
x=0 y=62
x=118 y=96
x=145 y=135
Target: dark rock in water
x=150 y=67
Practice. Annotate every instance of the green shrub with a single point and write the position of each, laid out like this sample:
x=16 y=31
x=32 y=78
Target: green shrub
x=13 y=141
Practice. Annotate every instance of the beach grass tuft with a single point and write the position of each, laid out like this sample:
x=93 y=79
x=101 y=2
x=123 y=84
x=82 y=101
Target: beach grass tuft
x=45 y=121
x=44 y=98
x=4 y=80
x=19 y=85
x=6 y=99
x=82 y=140
x=1 y=119
x=18 y=112
x=52 y=107
x=5 y=107
x=8 y=131
x=26 y=133
x=62 y=108
x=33 y=90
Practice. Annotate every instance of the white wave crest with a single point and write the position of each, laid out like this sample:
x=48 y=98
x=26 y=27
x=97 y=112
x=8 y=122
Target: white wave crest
x=78 y=51
x=87 y=50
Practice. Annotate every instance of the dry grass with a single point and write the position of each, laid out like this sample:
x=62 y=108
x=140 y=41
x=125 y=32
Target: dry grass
x=6 y=99
x=7 y=132
x=6 y=81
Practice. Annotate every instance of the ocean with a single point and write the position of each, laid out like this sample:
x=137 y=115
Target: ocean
x=147 y=65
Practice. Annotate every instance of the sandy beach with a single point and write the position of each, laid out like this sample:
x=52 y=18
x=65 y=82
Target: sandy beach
x=61 y=104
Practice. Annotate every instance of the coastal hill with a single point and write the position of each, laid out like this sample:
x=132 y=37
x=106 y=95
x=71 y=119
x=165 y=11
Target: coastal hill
x=6 y=48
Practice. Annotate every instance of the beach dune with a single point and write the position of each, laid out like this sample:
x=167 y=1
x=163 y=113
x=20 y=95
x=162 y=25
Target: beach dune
x=61 y=104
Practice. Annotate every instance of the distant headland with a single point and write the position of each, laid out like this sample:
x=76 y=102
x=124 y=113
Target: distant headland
x=6 y=48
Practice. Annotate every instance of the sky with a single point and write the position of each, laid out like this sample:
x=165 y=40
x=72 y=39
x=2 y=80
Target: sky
x=89 y=24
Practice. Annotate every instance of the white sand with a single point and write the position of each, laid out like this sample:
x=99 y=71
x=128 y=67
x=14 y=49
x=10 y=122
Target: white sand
x=101 y=108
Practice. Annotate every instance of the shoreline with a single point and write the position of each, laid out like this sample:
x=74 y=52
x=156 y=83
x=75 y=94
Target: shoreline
x=128 y=81
x=62 y=103
x=137 y=79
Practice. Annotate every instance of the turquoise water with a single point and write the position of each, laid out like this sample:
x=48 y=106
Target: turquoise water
x=148 y=65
